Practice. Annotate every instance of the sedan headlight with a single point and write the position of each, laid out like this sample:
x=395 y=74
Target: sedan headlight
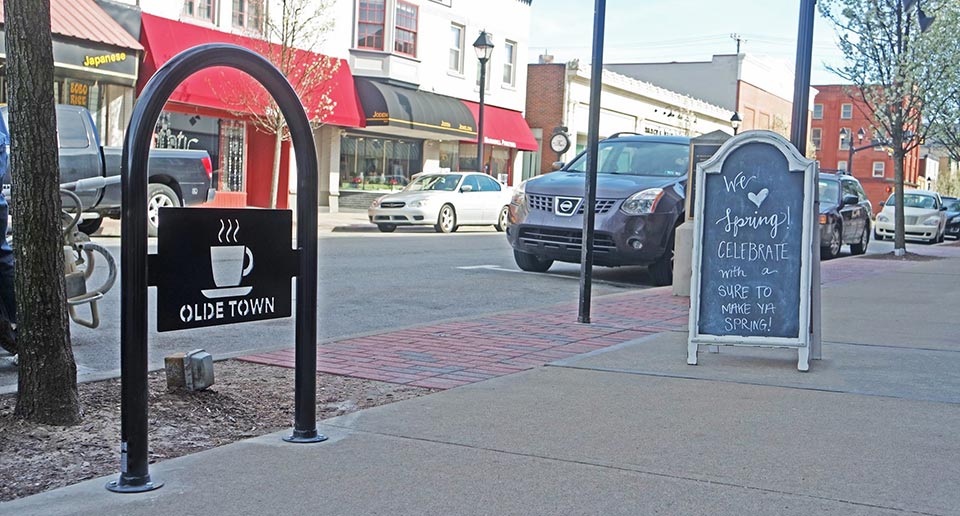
x=376 y=202
x=932 y=221
x=519 y=195
x=643 y=202
x=883 y=218
x=419 y=203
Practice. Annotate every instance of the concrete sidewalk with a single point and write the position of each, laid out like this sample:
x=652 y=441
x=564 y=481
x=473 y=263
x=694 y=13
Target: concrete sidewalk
x=627 y=427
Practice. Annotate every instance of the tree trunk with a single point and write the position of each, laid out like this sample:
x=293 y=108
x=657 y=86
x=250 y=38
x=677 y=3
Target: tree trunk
x=48 y=374
x=275 y=177
x=900 y=238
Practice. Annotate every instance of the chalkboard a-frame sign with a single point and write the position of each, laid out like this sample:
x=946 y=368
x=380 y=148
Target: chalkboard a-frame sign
x=752 y=247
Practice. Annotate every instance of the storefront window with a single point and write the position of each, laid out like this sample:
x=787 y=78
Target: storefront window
x=378 y=163
x=468 y=157
x=221 y=138
x=450 y=156
x=499 y=161
x=230 y=159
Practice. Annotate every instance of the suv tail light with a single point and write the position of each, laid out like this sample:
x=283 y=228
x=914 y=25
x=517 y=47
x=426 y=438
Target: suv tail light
x=208 y=166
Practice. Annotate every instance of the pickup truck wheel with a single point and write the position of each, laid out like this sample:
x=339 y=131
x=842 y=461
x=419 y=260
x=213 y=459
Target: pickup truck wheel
x=159 y=196
x=90 y=226
x=531 y=262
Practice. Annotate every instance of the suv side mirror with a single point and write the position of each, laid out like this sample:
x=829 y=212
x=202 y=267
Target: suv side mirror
x=557 y=165
x=850 y=199
x=466 y=188
x=943 y=207
x=883 y=203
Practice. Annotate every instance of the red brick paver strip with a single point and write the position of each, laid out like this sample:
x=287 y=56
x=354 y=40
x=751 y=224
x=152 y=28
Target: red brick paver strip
x=450 y=354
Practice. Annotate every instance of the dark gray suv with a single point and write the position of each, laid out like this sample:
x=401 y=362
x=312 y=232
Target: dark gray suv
x=640 y=190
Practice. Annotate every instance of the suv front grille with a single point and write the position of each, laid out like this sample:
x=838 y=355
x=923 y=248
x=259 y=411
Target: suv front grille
x=602 y=206
x=565 y=239
x=545 y=203
x=540 y=202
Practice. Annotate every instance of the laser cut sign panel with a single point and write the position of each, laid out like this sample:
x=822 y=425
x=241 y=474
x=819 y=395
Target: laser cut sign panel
x=222 y=266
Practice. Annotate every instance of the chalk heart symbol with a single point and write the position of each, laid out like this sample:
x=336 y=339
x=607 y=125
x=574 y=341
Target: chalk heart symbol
x=759 y=197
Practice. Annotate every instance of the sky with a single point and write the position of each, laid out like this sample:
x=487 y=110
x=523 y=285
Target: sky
x=680 y=30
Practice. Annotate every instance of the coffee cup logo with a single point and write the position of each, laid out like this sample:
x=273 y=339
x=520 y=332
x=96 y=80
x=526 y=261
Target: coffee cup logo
x=227 y=263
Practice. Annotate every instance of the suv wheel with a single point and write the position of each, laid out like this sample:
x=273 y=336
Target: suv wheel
x=832 y=249
x=531 y=262
x=861 y=246
x=661 y=271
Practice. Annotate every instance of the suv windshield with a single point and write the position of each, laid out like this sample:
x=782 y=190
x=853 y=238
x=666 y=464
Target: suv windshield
x=638 y=158
x=952 y=204
x=446 y=182
x=829 y=190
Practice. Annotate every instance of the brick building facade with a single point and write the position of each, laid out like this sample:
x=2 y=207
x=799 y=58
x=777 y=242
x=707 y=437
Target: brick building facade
x=839 y=107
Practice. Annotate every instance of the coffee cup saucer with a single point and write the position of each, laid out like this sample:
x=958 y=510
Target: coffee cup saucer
x=216 y=293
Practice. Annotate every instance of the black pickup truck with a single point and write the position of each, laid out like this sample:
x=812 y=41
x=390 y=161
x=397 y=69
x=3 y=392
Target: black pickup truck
x=177 y=177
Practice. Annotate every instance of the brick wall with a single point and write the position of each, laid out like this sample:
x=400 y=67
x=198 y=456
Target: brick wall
x=829 y=153
x=545 y=88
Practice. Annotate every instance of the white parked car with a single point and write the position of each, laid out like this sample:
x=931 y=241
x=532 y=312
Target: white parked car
x=924 y=217
x=445 y=201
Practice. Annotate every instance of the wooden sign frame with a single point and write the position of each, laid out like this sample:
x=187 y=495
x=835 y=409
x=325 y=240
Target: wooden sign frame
x=796 y=163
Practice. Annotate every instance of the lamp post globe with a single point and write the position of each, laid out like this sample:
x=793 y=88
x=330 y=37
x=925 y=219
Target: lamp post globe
x=484 y=48
x=735 y=122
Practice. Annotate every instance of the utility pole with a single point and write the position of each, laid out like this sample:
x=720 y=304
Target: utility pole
x=739 y=39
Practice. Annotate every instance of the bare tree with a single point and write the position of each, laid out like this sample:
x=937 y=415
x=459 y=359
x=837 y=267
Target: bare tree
x=297 y=31
x=898 y=70
x=48 y=374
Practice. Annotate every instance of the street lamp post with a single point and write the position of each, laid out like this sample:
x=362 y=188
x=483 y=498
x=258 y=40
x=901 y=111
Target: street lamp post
x=484 y=47
x=845 y=134
x=735 y=122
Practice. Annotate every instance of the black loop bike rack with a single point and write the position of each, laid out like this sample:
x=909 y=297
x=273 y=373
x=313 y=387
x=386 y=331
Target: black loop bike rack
x=134 y=472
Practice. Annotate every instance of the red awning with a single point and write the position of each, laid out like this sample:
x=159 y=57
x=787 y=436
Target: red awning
x=84 y=19
x=231 y=90
x=503 y=127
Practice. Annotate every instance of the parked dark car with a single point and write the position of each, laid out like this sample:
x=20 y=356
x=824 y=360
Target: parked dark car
x=177 y=177
x=953 y=216
x=844 y=215
x=641 y=182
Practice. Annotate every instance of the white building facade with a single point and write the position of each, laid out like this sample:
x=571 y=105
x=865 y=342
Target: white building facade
x=415 y=77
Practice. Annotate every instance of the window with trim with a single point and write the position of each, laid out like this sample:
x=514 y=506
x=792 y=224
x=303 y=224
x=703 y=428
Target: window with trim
x=817 y=111
x=878 y=168
x=487 y=85
x=200 y=9
x=370 y=24
x=456 y=48
x=509 y=63
x=846 y=111
x=842 y=165
x=248 y=14
x=405 y=40
x=816 y=136
x=845 y=142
